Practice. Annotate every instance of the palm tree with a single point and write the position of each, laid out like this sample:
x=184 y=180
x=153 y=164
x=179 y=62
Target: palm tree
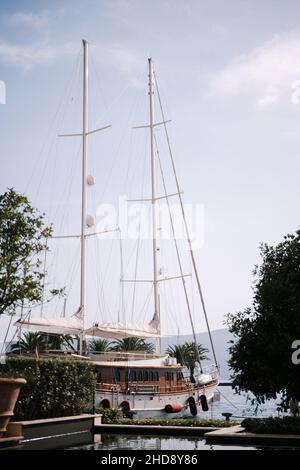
x=177 y=351
x=188 y=354
x=99 y=345
x=193 y=354
x=56 y=341
x=30 y=343
x=132 y=344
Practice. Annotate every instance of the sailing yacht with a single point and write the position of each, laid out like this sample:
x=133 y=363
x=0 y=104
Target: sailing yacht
x=146 y=385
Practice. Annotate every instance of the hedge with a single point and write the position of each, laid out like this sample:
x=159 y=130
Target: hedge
x=110 y=416
x=284 y=425
x=55 y=387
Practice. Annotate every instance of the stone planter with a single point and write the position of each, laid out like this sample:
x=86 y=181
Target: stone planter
x=9 y=392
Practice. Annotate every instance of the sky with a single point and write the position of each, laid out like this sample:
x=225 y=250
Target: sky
x=229 y=76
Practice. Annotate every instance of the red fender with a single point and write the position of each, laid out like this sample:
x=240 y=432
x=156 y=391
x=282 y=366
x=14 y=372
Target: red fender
x=192 y=404
x=125 y=406
x=105 y=403
x=204 y=402
x=173 y=408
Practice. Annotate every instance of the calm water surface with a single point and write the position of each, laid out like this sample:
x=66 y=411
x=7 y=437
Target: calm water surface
x=148 y=443
x=227 y=402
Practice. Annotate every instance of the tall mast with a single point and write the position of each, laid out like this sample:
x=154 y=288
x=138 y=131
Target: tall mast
x=186 y=227
x=84 y=175
x=153 y=200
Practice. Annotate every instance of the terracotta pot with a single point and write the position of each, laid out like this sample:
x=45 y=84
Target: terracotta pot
x=9 y=392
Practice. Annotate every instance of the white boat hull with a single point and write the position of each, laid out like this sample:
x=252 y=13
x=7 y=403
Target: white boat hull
x=153 y=406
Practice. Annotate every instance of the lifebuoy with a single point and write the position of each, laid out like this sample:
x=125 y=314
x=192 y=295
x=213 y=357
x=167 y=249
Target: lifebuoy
x=204 y=402
x=105 y=403
x=192 y=404
x=173 y=408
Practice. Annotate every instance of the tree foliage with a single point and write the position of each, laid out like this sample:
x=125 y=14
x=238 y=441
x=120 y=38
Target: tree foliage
x=55 y=387
x=22 y=238
x=32 y=342
x=99 y=345
x=261 y=351
x=189 y=355
x=132 y=344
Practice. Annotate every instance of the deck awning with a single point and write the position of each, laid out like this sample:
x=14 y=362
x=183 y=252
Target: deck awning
x=122 y=330
x=63 y=326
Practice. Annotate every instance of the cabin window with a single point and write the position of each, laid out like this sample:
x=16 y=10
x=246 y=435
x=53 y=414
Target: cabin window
x=146 y=376
x=152 y=376
x=141 y=376
x=127 y=373
x=117 y=375
x=157 y=376
x=172 y=376
x=134 y=375
x=167 y=376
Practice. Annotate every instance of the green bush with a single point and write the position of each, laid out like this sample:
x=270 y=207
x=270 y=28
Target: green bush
x=110 y=416
x=212 y=423
x=55 y=387
x=284 y=425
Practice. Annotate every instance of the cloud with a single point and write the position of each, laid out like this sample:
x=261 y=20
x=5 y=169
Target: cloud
x=123 y=60
x=35 y=21
x=267 y=73
x=26 y=57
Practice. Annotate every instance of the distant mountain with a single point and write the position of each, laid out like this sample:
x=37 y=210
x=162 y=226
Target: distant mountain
x=221 y=340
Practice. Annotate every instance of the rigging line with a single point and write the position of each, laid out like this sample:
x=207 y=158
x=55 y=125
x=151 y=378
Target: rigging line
x=15 y=333
x=146 y=304
x=69 y=276
x=178 y=255
x=66 y=193
x=135 y=274
x=134 y=172
x=98 y=273
x=132 y=133
x=6 y=334
x=72 y=272
x=65 y=196
x=122 y=283
x=44 y=273
x=49 y=132
x=169 y=313
x=57 y=152
x=116 y=98
x=104 y=276
x=222 y=394
x=116 y=152
x=52 y=143
x=139 y=239
x=185 y=224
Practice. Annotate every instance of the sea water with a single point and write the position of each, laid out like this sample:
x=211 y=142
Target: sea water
x=226 y=401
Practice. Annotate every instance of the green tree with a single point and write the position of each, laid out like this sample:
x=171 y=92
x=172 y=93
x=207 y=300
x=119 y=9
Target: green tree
x=30 y=343
x=22 y=238
x=263 y=333
x=188 y=354
x=56 y=341
x=176 y=351
x=99 y=345
x=132 y=344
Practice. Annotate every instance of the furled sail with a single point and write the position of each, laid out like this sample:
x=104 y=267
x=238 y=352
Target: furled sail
x=64 y=326
x=125 y=330
x=121 y=330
